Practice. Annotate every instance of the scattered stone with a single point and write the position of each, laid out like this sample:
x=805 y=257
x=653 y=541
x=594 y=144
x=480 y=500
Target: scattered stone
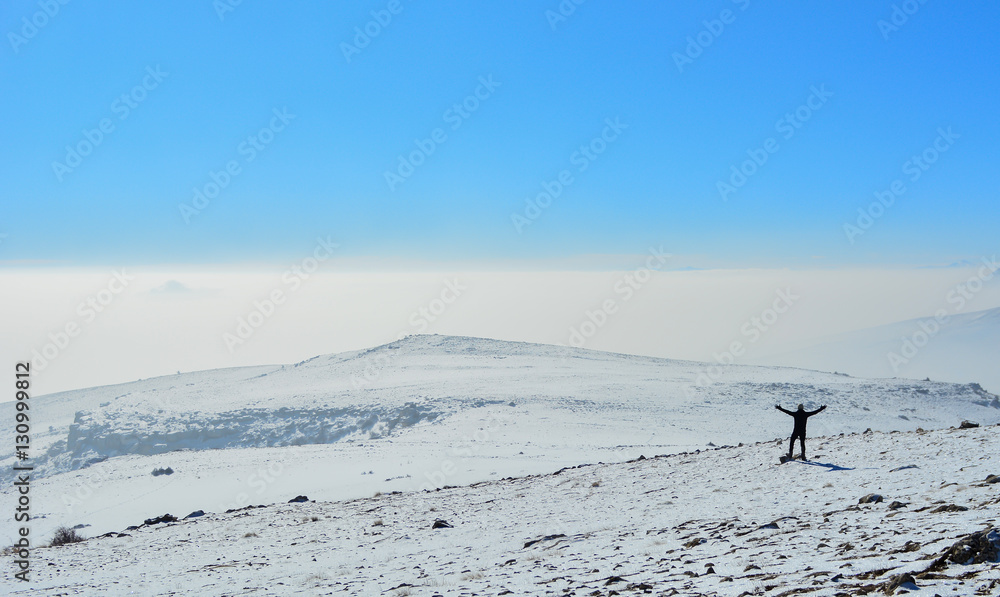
x=613 y=579
x=160 y=519
x=904 y=581
x=871 y=498
x=968 y=425
x=977 y=548
x=162 y=471
x=298 y=499
x=441 y=524
x=949 y=508
x=903 y=468
x=251 y=507
x=990 y=479
x=545 y=538
x=695 y=542
x=897 y=505
x=195 y=514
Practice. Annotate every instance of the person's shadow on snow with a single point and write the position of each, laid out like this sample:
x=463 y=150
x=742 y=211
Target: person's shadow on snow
x=829 y=465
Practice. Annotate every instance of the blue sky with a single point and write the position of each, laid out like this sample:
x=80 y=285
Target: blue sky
x=656 y=183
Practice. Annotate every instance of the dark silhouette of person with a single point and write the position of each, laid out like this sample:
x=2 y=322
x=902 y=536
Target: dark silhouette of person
x=801 y=416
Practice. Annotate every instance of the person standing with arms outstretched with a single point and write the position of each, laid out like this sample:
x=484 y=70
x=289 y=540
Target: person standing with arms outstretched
x=801 y=416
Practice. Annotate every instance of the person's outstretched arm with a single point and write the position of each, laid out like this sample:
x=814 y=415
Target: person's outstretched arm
x=818 y=410
x=778 y=406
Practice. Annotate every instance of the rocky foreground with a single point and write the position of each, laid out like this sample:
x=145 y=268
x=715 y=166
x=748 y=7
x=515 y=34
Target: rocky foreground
x=872 y=513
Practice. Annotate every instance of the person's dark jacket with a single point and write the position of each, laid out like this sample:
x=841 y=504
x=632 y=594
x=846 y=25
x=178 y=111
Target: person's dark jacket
x=800 y=416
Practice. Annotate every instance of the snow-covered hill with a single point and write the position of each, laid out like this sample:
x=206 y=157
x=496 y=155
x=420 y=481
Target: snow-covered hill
x=419 y=414
x=963 y=347
x=727 y=521
x=424 y=412
x=431 y=379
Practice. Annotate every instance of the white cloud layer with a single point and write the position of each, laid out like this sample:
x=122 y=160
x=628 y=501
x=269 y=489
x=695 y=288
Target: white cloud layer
x=94 y=327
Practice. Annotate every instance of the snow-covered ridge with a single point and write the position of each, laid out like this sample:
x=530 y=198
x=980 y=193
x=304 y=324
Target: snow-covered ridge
x=426 y=385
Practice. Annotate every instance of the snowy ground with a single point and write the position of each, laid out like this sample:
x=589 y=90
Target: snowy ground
x=727 y=521
x=430 y=411
x=421 y=412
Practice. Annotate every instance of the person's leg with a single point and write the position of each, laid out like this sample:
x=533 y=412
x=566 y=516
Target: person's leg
x=802 y=441
x=791 y=446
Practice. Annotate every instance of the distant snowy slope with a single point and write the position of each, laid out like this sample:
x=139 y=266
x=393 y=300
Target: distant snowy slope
x=422 y=413
x=578 y=397
x=964 y=348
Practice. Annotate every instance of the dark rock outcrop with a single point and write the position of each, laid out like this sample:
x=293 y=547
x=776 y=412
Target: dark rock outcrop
x=160 y=519
x=977 y=548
